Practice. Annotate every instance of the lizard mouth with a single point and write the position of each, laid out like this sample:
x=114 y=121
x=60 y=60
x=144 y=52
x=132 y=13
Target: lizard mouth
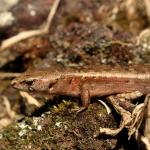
x=14 y=83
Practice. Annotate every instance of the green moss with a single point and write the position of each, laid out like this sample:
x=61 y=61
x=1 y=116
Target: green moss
x=72 y=130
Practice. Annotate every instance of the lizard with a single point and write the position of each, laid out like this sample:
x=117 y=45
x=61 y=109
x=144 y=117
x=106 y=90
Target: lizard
x=117 y=83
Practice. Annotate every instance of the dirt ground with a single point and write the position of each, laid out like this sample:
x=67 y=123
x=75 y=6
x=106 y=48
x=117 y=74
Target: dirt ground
x=83 y=33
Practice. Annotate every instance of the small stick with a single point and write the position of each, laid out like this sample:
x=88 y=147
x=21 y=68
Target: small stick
x=8 y=107
x=30 y=99
x=30 y=33
x=146 y=142
x=105 y=105
x=4 y=75
x=146 y=137
x=147 y=6
x=9 y=113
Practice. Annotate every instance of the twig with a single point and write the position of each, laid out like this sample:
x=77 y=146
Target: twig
x=8 y=107
x=146 y=138
x=105 y=105
x=147 y=6
x=30 y=99
x=146 y=142
x=8 y=75
x=9 y=113
x=30 y=33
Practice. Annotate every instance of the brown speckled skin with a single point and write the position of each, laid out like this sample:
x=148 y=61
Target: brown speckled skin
x=87 y=83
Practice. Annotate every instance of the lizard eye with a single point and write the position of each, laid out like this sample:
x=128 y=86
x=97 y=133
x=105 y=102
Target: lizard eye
x=30 y=83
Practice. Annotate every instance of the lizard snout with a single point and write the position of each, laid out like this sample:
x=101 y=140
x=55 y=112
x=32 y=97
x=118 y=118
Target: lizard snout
x=18 y=85
x=15 y=84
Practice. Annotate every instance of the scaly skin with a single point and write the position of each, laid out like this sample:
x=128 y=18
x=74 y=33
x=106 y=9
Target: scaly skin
x=87 y=83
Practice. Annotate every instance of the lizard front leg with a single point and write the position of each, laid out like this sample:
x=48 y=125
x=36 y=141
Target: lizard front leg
x=85 y=98
x=128 y=111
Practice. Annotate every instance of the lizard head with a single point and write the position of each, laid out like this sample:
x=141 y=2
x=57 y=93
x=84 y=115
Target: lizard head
x=35 y=81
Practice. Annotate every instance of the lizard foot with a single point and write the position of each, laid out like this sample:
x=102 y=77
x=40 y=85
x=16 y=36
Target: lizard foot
x=79 y=110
